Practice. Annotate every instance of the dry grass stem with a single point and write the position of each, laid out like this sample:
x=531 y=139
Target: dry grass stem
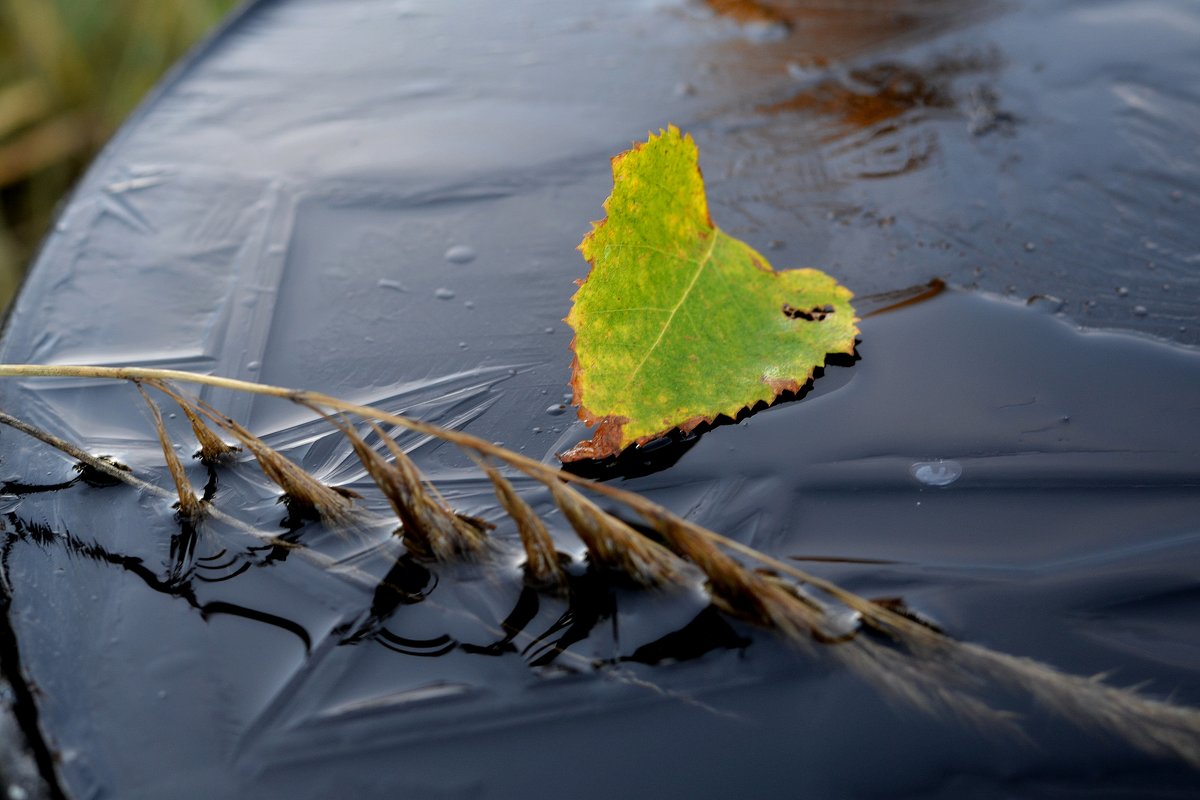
x=83 y=457
x=903 y=657
x=430 y=528
x=543 y=566
x=934 y=687
x=1154 y=726
x=738 y=590
x=190 y=506
x=213 y=449
x=300 y=488
x=611 y=544
x=119 y=474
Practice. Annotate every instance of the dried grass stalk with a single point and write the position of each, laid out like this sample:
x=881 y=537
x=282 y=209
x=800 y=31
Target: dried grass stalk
x=430 y=529
x=934 y=673
x=117 y=473
x=933 y=687
x=909 y=660
x=612 y=544
x=436 y=531
x=298 y=486
x=738 y=590
x=542 y=564
x=190 y=506
x=213 y=449
x=1156 y=727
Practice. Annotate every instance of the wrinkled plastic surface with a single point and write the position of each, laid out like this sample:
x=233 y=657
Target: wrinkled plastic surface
x=382 y=199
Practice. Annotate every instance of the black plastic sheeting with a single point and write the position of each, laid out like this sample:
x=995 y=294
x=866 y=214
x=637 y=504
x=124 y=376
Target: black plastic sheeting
x=381 y=200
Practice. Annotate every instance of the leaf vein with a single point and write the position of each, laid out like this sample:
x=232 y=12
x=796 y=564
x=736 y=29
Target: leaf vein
x=704 y=262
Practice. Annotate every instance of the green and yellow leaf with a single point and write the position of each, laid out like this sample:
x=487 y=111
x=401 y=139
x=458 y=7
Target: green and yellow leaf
x=678 y=323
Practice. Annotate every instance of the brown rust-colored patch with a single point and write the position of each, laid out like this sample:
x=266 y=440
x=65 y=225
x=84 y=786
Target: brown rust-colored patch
x=750 y=12
x=869 y=96
x=781 y=385
x=605 y=442
x=758 y=264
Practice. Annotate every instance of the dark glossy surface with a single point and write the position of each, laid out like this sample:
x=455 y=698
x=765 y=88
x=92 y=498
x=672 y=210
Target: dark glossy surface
x=382 y=201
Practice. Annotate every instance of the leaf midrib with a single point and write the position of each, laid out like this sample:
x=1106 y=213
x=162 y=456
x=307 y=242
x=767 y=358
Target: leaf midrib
x=704 y=262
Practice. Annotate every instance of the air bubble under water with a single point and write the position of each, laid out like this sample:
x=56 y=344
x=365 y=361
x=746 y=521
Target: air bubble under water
x=936 y=473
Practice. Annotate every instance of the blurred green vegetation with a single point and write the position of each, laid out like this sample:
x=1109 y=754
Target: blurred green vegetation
x=70 y=72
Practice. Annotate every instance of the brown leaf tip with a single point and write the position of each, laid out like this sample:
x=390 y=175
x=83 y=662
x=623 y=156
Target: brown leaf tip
x=781 y=385
x=605 y=442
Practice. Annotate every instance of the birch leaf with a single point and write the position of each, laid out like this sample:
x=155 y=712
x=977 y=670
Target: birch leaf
x=677 y=322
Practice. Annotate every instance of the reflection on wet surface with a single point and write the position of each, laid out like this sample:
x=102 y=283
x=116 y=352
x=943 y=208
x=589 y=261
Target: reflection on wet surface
x=822 y=31
x=864 y=98
x=870 y=109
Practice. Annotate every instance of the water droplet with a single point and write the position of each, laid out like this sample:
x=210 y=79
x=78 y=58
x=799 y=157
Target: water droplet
x=1176 y=195
x=556 y=409
x=1122 y=291
x=388 y=283
x=1030 y=247
x=684 y=90
x=469 y=305
x=549 y=330
x=776 y=244
x=1140 y=311
x=936 y=473
x=253 y=365
x=460 y=254
x=536 y=429
x=462 y=345
x=443 y=293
